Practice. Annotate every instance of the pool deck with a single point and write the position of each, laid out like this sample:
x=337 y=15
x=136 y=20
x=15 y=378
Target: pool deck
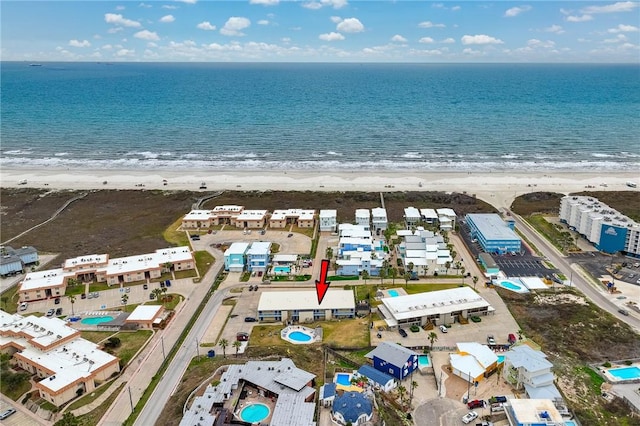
x=315 y=337
x=606 y=374
x=118 y=320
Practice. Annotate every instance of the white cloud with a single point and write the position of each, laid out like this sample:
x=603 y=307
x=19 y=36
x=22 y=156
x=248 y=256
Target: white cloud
x=117 y=19
x=167 y=18
x=125 y=52
x=114 y=30
x=188 y=1
x=169 y=6
x=107 y=47
x=576 y=18
x=556 y=29
x=234 y=26
x=456 y=8
x=78 y=43
x=515 y=11
x=147 y=35
x=315 y=5
x=471 y=52
x=448 y=40
x=398 y=39
x=265 y=2
x=152 y=45
x=621 y=28
x=548 y=44
x=145 y=6
x=350 y=25
x=618 y=39
x=426 y=40
x=622 y=6
x=120 y=7
x=336 y=19
x=429 y=24
x=263 y=22
x=332 y=36
x=206 y=25
x=480 y=39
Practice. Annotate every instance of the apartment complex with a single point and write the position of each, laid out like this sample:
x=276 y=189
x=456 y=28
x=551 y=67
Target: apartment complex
x=493 y=234
x=302 y=306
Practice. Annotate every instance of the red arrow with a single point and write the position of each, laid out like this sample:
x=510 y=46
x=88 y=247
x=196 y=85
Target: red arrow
x=322 y=285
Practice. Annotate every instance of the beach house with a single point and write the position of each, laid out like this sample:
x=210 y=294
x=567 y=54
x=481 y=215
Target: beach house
x=446 y=219
x=363 y=218
x=197 y=219
x=422 y=252
x=302 y=306
x=298 y=217
x=492 y=233
x=473 y=361
x=354 y=262
x=258 y=256
x=534 y=412
x=328 y=220
x=355 y=231
x=352 y=408
x=393 y=359
x=377 y=378
x=429 y=216
x=66 y=366
x=525 y=367
x=251 y=219
x=379 y=220
x=225 y=215
x=411 y=217
x=489 y=264
x=235 y=257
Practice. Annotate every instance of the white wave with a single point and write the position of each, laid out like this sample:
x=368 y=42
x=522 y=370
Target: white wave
x=412 y=155
x=334 y=153
x=61 y=154
x=18 y=152
x=602 y=155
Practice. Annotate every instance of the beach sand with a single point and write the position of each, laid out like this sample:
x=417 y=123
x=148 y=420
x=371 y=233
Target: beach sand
x=496 y=188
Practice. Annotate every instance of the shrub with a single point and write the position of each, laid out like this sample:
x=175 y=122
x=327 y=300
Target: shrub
x=606 y=364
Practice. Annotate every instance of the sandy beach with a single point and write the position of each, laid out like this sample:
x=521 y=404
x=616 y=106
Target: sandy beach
x=497 y=188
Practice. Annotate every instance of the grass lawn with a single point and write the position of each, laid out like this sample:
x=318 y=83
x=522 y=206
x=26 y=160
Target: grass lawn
x=171 y=304
x=96 y=336
x=304 y=231
x=175 y=236
x=204 y=260
x=130 y=343
x=90 y=397
x=9 y=300
x=343 y=333
x=99 y=287
x=185 y=274
x=93 y=418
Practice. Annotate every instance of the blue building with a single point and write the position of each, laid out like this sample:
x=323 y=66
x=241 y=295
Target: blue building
x=258 y=256
x=394 y=359
x=377 y=378
x=352 y=407
x=13 y=260
x=493 y=234
x=235 y=257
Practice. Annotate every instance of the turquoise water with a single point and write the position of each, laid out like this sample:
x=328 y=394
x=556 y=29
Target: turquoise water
x=282 y=116
x=569 y=423
x=282 y=269
x=254 y=413
x=393 y=293
x=500 y=359
x=299 y=336
x=626 y=373
x=96 y=320
x=423 y=361
x=343 y=379
x=510 y=285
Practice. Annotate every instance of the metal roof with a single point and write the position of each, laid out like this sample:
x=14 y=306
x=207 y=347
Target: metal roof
x=393 y=353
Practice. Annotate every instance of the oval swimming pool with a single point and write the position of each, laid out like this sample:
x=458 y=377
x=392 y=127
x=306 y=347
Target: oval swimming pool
x=254 y=413
x=96 y=320
x=299 y=336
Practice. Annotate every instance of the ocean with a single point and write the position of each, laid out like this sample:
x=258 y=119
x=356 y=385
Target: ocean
x=430 y=117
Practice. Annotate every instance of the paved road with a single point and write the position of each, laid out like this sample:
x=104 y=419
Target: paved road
x=22 y=416
x=565 y=265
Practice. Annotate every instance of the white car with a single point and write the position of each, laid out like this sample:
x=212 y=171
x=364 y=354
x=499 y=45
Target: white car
x=444 y=329
x=24 y=306
x=469 y=417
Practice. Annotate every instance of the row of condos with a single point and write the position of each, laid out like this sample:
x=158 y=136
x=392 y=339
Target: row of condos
x=253 y=257
x=374 y=220
x=100 y=268
x=423 y=252
x=359 y=251
x=238 y=217
x=66 y=366
x=444 y=217
x=606 y=228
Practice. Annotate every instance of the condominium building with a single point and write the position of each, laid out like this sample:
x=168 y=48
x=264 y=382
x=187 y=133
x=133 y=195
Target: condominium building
x=299 y=217
x=328 y=220
x=493 y=234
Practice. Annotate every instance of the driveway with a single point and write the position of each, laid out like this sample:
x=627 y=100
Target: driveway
x=296 y=244
x=440 y=411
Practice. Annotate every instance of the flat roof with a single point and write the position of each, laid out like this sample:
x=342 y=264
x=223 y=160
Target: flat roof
x=530 y=411
x=144 y=313
x=434 y=302
x=379 y=212
x=44 y=279
x=305 y=300
x=411 y=212
x=429 y=213
x=229 y=208
x=259 y=248
x=237 y=248
x=328 y=213
x=480 y=352
x=446 y=212
x=285 y=258
x=492 y=226
x=297 y=213
x=86 y=260
x=251 y=215
x=197 y=215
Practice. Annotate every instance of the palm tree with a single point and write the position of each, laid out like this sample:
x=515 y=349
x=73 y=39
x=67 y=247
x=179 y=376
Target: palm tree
x=432 y=337
x=475 y=280
x=401 y=393
x=223 y=343
x=168 y=266
x=414 y=385
x=157 y=292
x=365 y=276
x=410 y=267
x=72 y=300
x=447 y=265
x=453 y=254
x=237 y=345
x=329 y=253
x=407 y=277
x=383 y=275
x=457 y=265
x=394 y=275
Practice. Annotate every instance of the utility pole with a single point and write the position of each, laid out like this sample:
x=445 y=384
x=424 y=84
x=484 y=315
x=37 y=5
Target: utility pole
x=197 y=348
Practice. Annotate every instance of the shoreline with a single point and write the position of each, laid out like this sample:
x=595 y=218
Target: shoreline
x=498 y=188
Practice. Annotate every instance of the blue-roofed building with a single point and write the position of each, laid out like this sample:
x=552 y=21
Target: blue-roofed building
x=13 y=261
x=352 y=407
x=493 y=234
x=327 y=394
x=394 y=359
x=377 y=378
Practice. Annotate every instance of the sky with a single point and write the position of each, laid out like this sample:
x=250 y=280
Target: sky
x=320 y=31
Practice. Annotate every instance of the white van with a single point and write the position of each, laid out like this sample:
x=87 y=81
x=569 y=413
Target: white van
x=632 y=184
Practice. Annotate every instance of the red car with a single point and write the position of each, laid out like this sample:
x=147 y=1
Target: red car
x=476 y=403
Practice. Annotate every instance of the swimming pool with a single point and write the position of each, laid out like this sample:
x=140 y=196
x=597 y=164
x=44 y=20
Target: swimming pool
x=343 y=379
x=423 y=361
x=282 y=270
x=500 y=359
x=626 y=373
x=510 y=285
x=254 y=413
x=569 y=423
x=393 y=293
x=299 y=336
x=96 y=320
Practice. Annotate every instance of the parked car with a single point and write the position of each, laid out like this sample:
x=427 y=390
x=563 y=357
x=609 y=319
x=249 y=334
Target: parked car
x=6 y=413
x=58 y=311
x=444 y=329
x=83 y=296
x=476 y=403
x=491 y=340
x=24 y=306
x=167 y=283
x=512 y=338
x=242 y=337
x=51 y=312
x=56 y=301
x=249 y=319
x=469 y=417
x=152 y=296
x=96 y=294
x=402 y=332
x=623 y=312
x=127 y=289
x=290 y=235
x=145 y=286
x=195 y=237
x=263 y=232
x=495 y=399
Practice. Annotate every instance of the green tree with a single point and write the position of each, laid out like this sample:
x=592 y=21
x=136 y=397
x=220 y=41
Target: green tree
x=402 y=391
x=414 y=385
x=432 y=337
x=453 y=254
x=383 y=275
x=237 y=345
x=365 y=276
x=167 y=266
x=68 y=419
x=447 y=266
x=394 y=275
x=457 y=265
x=410 y=267
x=329 y=253
x=475 y=281
x=407 y=277
x=158 y=293
x=72 y=300
x=223 y=343
x=125 y=299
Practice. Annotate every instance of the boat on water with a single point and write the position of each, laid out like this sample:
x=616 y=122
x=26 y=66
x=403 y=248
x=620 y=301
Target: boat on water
x=35 y=65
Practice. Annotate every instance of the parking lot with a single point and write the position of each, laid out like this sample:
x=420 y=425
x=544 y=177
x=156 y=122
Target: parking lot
x=597 y=264
x=295 y=244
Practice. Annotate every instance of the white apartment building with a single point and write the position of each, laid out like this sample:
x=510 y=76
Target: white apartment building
x=379 y=219
x=363 y=218
x=328 y=220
